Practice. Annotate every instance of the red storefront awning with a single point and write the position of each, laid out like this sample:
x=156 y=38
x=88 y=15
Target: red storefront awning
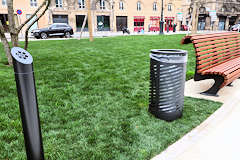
x=139 y=18
x=169 y=18
x=154 y=18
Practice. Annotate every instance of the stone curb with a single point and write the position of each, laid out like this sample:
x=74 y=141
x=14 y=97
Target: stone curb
x=175 y=150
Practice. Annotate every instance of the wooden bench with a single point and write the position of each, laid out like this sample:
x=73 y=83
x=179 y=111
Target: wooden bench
x=217 y=57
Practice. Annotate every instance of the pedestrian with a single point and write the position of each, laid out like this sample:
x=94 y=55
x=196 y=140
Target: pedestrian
x=174 y=27
x=167 y=28
x=125 y=30
x=121 y=27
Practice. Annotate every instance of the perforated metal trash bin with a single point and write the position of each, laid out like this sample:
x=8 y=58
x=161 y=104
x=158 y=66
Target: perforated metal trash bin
x=167 y=80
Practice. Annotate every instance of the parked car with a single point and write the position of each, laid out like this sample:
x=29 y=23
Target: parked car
x=56 y=29
x=235 y=27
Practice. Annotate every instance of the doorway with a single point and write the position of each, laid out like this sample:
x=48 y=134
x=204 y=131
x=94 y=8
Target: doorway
x=79 y=23
x=121 y=22
x=232 y=21
x=201 y=22
x=221 y=24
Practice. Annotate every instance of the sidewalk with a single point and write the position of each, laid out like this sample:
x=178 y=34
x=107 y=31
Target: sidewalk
x=105 y=34
x=217 y=138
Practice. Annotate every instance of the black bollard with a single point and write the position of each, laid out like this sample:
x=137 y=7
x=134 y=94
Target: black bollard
x=24 y=76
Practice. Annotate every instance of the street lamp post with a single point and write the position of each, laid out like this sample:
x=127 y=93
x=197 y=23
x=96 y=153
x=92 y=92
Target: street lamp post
x=161 y=21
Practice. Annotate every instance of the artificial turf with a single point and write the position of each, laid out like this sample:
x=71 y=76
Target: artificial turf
x=93 y=100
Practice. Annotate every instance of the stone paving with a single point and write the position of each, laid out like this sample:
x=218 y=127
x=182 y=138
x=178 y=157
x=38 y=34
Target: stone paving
x=218 y=137
x=105 y=34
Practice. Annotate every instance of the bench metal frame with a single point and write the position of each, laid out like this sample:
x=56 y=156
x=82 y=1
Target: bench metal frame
x=216 y=86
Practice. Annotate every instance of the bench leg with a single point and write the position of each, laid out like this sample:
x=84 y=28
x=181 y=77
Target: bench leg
x=230 y=85
x=215 y=88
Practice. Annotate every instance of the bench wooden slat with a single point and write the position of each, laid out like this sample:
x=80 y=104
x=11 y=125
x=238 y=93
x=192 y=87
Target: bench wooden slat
x=229 y=80
x=216 y=49
x=220 y=55
x=232 y=69
x=212 y=39
x=203 y=69
x=213 y=35
x=234 y=74
x=218 y=62
x=206 y=43
x=200 y=58
x=226 y=68
x=217 y=45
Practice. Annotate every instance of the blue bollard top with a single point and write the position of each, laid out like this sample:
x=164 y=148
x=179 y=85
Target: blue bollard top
x=21 y=55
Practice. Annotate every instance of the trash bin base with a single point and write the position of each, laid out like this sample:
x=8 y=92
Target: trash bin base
x=167 y=116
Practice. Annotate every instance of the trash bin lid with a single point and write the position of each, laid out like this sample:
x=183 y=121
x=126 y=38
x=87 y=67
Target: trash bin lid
x=169 y=55
x=21 y=55
x=169 y=52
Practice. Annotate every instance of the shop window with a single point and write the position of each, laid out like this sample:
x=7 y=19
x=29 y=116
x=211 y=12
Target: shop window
x=81 y=3
x=102 y=4
x=139 y=6
x=35 y=25
x=138 y=24
x=154 y=6
x=4 y=2
x=121 y=5
x=60 y=19
x=59 y=3
x=169 y=7
x=33 y=3
x=103 y=23
x=154 y=24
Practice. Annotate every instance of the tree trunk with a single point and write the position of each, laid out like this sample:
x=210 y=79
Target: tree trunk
x=12 y=25
x=14 y=31
x=90 y=20
x=83 y=26
x=6 y=48
x=26 y=32
x=5 y=44
x=112 y=18
x=14 y=39
x=195 y=17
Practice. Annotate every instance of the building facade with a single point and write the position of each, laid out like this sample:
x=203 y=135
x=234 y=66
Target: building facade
x=108 y=15
x=137 y=15
x=112 y=15
x=213 y=15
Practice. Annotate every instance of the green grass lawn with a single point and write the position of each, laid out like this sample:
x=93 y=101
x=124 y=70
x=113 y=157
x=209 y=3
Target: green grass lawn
x=93 y=100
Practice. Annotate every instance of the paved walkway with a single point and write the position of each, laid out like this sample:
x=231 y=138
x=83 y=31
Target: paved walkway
x=218 y=137
x=105 y=34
